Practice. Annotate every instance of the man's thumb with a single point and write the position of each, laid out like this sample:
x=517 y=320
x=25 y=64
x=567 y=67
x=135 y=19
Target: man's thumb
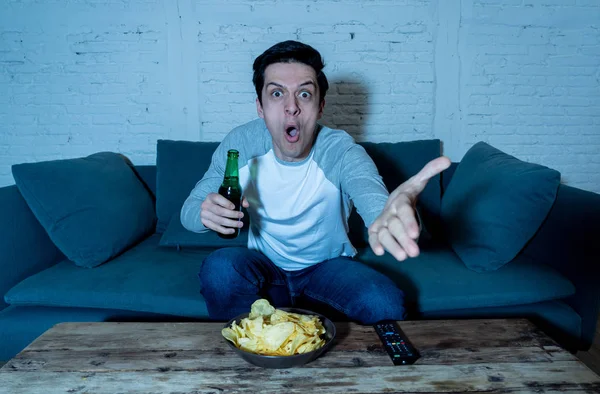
x=245 y=203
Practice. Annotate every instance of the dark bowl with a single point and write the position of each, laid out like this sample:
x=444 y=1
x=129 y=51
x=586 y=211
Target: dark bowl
x=286 y=361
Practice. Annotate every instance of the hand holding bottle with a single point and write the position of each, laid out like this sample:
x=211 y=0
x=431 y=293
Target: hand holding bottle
x=222 y=211
x=221 y=215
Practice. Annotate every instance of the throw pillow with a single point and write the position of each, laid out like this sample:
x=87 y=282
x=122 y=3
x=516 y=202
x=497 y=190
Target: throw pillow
x=93 y=208
x=178 y=236
x=494 y=204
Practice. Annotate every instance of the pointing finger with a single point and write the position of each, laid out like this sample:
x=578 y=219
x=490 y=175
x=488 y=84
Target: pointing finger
x=417 y=183
x=432 y=168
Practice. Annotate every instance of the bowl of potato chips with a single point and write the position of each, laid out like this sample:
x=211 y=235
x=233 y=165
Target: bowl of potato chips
x=279 y=338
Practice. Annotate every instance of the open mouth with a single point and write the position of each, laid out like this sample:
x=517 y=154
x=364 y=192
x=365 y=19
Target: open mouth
x=292 y=134
x=292 y=131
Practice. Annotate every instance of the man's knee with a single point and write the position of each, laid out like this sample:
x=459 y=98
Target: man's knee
x=221 y=269
x=374 y=303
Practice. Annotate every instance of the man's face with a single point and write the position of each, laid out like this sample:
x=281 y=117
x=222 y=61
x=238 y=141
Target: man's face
x=290 y=108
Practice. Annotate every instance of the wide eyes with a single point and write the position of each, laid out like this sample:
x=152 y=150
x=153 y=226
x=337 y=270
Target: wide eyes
x=303 y=94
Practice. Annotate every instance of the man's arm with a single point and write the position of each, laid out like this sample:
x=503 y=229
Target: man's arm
x=205 y=209
x=361 y=181
x=210 y=182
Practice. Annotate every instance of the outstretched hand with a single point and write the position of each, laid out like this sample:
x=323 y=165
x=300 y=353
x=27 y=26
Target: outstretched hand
x=396 y=228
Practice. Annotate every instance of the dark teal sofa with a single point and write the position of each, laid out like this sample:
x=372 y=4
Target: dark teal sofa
x=553 y=279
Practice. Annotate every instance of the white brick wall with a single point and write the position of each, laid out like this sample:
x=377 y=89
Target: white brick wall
x=531 y=82
x=117 y=75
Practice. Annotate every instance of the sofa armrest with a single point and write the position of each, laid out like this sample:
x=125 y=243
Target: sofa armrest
x=25 y=247
x=568 y=241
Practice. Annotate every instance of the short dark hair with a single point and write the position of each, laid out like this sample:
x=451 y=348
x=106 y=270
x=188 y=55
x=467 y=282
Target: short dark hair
x=289 y=52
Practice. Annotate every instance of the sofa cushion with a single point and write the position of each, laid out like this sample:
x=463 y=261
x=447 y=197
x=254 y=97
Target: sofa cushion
x=437 y=280
x=179 y=166
x=149 y=278
x=146 y=278
x=92 y=208
x=178 y=236
x=494 y=205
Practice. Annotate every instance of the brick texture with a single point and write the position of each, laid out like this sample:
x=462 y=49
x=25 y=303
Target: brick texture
x=531 y=83
x=86 y=76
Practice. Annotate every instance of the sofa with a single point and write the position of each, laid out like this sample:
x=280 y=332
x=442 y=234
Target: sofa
x=98 y=238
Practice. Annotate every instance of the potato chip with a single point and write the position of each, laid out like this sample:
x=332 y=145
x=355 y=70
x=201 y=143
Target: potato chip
x=274 y=332
x=274 y=336
x=254 y=327
x=230 y=335
x=299 y=340
x=261 y=308
x=249 y=345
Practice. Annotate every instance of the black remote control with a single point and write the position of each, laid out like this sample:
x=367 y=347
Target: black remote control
x=396 y=343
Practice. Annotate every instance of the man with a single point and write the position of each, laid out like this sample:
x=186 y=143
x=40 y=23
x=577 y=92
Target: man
x=300 y=181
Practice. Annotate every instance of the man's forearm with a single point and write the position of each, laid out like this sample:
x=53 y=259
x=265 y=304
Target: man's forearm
x=190 y=215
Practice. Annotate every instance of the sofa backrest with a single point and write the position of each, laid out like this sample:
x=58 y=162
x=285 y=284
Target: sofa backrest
x=181 y=164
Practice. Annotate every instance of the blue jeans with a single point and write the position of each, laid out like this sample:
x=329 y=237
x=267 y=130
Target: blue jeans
x=233 y=278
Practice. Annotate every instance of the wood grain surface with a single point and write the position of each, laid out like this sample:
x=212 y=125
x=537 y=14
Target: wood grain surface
x=497 y=356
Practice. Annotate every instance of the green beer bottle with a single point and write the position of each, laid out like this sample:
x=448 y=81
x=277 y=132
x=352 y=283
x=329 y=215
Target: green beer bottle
x=230 y=188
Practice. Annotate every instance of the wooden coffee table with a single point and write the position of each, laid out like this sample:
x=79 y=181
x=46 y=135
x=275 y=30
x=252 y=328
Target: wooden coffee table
x=456 y=356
